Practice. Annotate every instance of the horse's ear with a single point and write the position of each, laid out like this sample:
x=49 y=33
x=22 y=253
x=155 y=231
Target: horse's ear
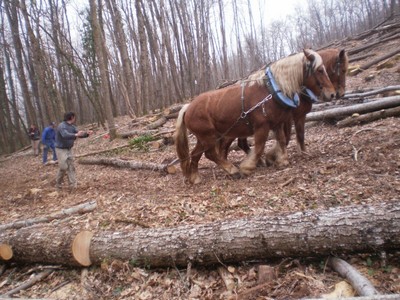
x=342 y=55
x=309 y=55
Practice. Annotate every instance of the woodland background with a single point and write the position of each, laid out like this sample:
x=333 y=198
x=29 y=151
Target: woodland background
x=132 y=57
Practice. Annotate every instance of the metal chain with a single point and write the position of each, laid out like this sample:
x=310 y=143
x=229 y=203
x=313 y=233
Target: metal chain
x=245 y=113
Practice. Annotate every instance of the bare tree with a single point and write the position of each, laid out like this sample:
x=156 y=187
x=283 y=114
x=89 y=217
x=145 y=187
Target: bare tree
x=98 y=40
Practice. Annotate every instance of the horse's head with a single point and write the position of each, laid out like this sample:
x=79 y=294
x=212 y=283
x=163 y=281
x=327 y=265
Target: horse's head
x=315 y=76
x=336 y=63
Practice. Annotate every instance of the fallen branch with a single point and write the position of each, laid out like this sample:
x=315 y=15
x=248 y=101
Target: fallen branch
x=339 y=113
x=369 y=117
x=371 y=92
x=361 y=284
x=130 y=164
x=32 y=281
x=78 y=209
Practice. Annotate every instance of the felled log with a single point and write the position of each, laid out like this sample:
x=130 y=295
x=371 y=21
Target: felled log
x=45 y=243
x=129 y=164
x=172 y=110
x=78 y=209
x=375 y=61
x=341 y=112
x=158 y=123
x=338 y=230
x=360 y=283
x=369 y=117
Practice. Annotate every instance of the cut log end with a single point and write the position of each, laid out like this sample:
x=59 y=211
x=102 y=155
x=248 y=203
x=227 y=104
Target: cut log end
x=170 y=169
x=6 y=252
x=81 y=248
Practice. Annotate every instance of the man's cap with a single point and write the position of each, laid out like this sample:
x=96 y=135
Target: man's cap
x=52 y=123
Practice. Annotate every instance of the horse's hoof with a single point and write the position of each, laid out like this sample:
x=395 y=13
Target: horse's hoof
x=193 y=180
x=282 y=163
x=261 y=163
x=237 y=175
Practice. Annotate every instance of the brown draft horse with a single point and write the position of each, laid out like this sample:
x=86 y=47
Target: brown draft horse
x=336 y=63
x=244 y=109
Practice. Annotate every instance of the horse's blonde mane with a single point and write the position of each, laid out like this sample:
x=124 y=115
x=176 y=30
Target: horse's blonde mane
x=257 y=77
x=288 y=72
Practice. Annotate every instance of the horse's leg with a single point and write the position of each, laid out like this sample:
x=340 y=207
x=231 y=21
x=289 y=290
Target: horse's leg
x=224 y=145
x=244 y=145
x=278 y=154
x=287 y=128
x=195 y=155
x=282 y=158
x=250 y=162
x=212 y=154
x=299 y=124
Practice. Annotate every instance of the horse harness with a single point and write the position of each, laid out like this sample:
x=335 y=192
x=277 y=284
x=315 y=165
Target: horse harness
x=277 y=93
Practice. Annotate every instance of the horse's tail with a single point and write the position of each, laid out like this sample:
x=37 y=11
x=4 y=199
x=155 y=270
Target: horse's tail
x=181 y=142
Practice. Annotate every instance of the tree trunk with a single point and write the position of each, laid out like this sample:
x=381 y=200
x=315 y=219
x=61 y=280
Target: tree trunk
x=120 y=38
x=100 y=52
x=309 y=233
x=11 y=11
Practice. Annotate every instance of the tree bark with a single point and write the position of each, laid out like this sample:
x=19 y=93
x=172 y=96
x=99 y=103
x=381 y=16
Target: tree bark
x=309 y=233
x=339 y=113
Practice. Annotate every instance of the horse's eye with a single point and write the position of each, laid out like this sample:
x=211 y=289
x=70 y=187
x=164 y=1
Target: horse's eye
x=321 y=71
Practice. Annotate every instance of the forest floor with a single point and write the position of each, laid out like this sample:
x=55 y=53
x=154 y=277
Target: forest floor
x=343 y=167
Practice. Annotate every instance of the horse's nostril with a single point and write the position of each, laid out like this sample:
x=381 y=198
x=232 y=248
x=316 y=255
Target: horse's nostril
x=332 y=96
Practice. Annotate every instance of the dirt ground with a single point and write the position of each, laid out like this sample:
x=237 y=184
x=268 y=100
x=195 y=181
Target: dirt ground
x=343 y=167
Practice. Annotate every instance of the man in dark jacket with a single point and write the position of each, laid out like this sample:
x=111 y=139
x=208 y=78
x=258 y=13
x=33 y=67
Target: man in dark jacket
x=34 y=135
x=66 y=135
x=48 y=140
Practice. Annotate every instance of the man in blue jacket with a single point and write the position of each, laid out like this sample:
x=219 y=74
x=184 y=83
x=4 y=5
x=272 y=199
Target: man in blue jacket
x=48 y=140
x=66 y=135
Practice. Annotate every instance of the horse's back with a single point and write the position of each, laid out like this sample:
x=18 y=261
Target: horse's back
x=212 y=106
